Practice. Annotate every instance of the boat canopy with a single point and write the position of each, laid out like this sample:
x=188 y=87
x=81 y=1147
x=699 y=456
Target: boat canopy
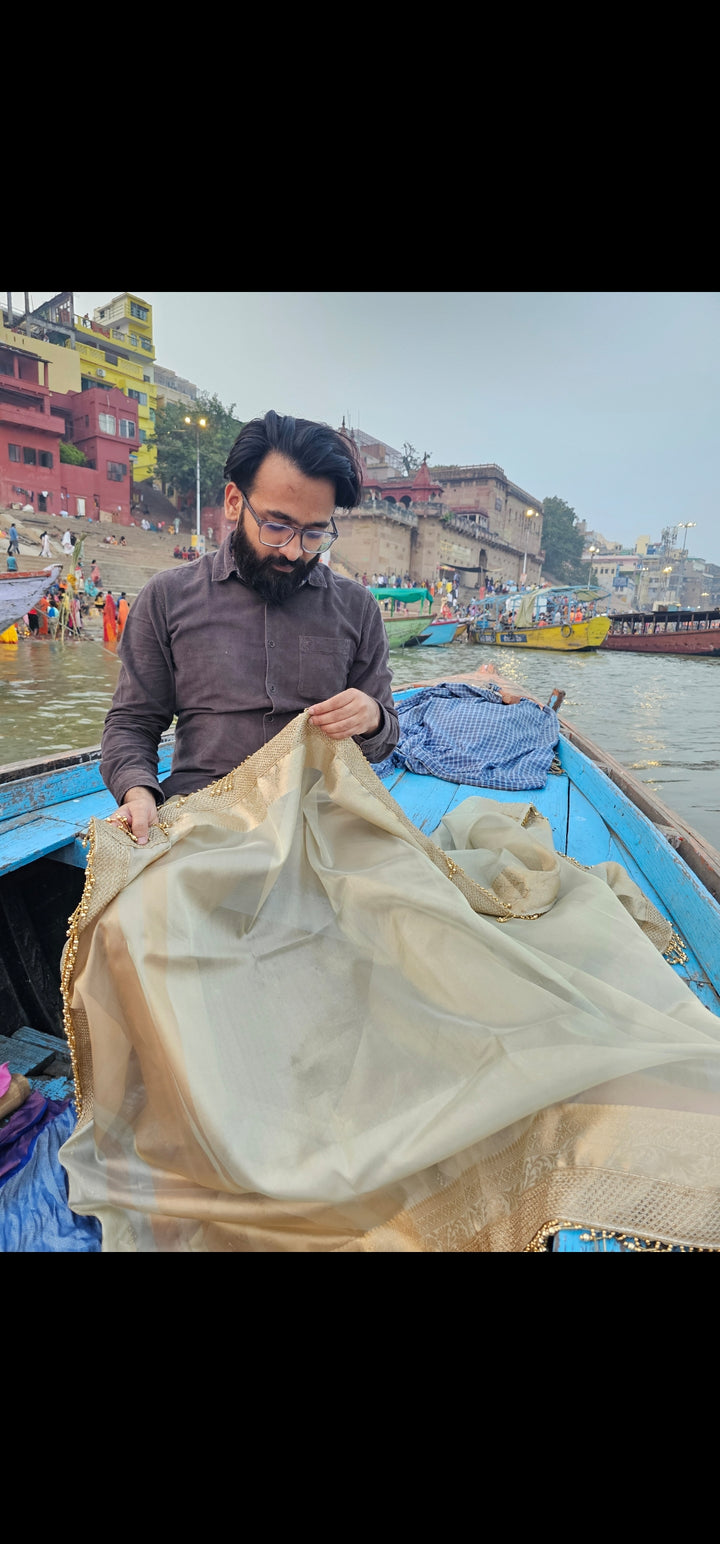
x=393 y=593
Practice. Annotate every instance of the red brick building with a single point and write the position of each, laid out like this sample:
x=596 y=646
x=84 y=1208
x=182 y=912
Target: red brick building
x=101 y=422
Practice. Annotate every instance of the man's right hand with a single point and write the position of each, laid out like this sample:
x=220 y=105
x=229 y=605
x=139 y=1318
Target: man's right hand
x=137 y=813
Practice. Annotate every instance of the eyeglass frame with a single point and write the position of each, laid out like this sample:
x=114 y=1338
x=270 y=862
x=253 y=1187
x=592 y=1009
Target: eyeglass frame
x=295 y=530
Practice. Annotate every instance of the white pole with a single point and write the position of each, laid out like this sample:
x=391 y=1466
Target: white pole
x=197 y=479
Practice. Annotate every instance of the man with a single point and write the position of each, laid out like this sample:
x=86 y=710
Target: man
x=242 y=641
x=14 y=541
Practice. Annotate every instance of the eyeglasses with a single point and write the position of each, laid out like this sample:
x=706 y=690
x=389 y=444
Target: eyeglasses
x=274 y=533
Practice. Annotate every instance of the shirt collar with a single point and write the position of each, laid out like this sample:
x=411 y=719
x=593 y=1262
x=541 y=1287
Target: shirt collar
x=223 y=566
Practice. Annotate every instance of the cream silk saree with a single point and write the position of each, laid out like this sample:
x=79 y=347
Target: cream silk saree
x=297 y=1023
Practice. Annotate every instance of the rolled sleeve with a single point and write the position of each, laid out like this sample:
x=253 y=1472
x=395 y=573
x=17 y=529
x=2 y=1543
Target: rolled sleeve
x=371 y=673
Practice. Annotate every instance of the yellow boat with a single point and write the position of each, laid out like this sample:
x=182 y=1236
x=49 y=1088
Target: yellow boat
x=524 y=633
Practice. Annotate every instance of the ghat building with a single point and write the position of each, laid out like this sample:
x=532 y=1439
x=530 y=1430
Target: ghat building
x=469 y=520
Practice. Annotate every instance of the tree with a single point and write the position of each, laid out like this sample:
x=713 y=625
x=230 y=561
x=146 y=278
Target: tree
x=176 y=443
x=411 y=460
x=562 y=540
x=72 y=455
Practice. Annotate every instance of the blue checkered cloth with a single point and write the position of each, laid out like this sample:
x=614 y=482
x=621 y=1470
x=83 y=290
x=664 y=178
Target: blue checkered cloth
x=467 y=734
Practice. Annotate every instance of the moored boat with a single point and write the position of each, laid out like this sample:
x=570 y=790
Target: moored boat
x=525 y=620
x=665 y=632
x=404 y=630
x=439 y=632
x=21 y=591
x=595 y=810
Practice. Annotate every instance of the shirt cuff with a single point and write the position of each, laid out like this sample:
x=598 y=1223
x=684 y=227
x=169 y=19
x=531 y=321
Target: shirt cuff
x=378 y=735
x=143 y=779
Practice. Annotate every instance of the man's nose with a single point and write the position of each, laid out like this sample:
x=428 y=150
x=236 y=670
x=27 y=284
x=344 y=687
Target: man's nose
x=294 y=549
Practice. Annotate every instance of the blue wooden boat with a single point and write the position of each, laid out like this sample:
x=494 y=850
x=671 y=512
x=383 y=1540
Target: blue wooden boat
x=438 y=632
x=596 y=809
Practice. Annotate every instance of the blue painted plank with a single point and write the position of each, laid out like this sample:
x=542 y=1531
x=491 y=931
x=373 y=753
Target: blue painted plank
x=591 y=842
x=34 y=839
x=423 y=799
x=695 y=912
x=27 y=794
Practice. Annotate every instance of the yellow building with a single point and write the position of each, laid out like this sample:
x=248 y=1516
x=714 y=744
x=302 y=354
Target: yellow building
x=117 y=346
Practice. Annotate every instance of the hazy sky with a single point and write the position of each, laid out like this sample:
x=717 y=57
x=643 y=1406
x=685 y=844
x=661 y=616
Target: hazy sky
x=609 y=400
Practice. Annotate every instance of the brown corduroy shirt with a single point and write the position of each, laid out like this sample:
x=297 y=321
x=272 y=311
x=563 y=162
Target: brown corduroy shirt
x=200 y=644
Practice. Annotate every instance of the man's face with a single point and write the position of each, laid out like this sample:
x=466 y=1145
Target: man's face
x=279 y=493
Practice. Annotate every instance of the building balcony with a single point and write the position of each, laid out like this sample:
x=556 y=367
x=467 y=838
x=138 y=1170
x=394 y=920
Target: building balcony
x=29 y=418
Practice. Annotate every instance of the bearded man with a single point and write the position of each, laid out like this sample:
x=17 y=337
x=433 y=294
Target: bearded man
x=236 y=645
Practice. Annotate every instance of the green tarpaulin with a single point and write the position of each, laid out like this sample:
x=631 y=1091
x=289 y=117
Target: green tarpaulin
x=406 y=596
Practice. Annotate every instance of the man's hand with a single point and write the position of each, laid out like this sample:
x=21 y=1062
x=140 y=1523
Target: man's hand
x=351 y=712
x=136 y=814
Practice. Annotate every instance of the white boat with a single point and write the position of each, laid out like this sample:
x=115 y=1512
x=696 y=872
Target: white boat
x=20 y=592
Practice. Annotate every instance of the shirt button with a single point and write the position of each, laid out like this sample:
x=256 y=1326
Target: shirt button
x=271 y=688
x=271 y=645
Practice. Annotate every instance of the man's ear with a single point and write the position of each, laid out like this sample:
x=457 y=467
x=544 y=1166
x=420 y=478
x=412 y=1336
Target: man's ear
x=233 y=502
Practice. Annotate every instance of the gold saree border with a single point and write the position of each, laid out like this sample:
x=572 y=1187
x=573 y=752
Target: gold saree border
x=588 y=1162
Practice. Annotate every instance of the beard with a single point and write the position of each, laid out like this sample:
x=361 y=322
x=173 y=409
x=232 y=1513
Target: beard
x=270 y=583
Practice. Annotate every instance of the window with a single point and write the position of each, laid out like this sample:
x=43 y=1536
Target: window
x=14 y=452
x=152 y=415
x=110 y=359
x=29 y=456
x=143 y=436
x=116 y=470
x=107 y=423
x=146 y=377
x=127 y=429
x=139 y=311
x=147 y=345
x=138 y=396
x=46 y=458
x=134 y=339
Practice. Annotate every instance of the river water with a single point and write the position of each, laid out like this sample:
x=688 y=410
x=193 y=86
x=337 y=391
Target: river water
x=659 y=716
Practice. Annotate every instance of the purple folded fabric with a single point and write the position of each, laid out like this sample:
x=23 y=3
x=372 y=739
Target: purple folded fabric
x=21 y=1130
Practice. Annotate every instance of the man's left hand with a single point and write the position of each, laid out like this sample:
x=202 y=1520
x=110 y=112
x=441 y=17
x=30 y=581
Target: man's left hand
x=352 y=712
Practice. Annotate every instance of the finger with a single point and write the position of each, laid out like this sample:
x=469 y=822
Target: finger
x=338 y=728
x=331 y=704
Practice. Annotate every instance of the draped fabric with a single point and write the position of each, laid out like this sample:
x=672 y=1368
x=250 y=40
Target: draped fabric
x=297 y=1023
x=467 y=734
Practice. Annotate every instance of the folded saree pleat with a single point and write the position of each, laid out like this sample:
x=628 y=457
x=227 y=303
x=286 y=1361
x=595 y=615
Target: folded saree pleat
x=297 y=1023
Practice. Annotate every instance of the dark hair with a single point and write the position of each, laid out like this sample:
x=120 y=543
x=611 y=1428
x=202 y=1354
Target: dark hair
x=314 y=448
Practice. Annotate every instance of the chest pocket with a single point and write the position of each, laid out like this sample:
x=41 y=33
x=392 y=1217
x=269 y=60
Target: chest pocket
x=324 y=667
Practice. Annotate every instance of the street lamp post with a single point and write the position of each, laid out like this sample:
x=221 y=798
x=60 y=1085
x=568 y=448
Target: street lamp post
x=592 y=551
x=530 y=514
x=200 y=424
x=667 y=570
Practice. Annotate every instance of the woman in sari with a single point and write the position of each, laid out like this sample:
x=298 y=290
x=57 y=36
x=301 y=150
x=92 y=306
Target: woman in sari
x=109 y=620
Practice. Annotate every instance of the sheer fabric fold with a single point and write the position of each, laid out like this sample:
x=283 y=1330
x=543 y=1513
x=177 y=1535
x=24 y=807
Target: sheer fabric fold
x=297 y=1023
